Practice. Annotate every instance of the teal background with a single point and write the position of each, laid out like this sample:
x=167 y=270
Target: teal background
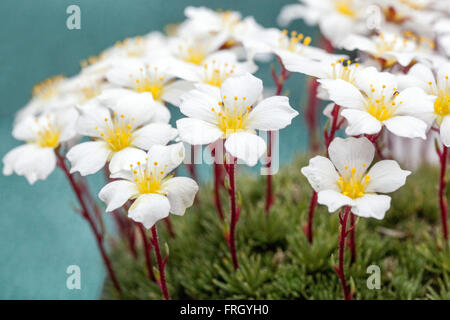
x=40 y=234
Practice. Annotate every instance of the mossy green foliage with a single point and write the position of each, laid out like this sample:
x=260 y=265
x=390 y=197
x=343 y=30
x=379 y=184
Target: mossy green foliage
x=276 y=260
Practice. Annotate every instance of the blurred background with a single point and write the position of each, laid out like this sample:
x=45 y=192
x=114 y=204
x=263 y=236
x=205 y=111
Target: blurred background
x=40 y=234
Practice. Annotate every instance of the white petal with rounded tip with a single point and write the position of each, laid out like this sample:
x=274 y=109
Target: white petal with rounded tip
x=198 y=103
x=181 y=193
x=196 y=131
x=406 y=126
x=422 y=75
x=414 y=101
x=66 y=121
x=445 y=131
x=386 y=176
x=371 y=206
x=25 y=129
x=247 y=86
x=122 y=159
x=172 y=93
x=333 y=199
x=137 y=107
x=343 y=93
x=30 y=161
x=161 y=113
x=371 y=81
x=360 y=122
x=351 y=152
x=149 y=209
x=88 y=157
x=92 y=119
x=168 y=157
x=110 y=96
x=297 y=63
x=273 y=113
x=153 y=133
x=245 y=146
x=321 y=174
x=116 y=193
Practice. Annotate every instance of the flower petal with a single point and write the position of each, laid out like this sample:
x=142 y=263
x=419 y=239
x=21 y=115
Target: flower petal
x=321 y=174
x=92 y=117
x=198 y=103
x=181 y=192
x=196 y=131
x=371 y=206
x=30 y=161
x=445 y=131
x=406 y=126
x=351 y=153
x=246 y=146
x=173 y=92
x=343 y=93
x=168 y=157
x=333 y=199
x=360 y=122
x=246 y=85
x=116 y=193
x=88 y=157
x=273 y=113
x=386 y=176
x=149 y=209
x=122 y=159
x=153 y=133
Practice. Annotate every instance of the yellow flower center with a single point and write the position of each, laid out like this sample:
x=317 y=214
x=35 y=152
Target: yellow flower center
x=48 y=88
x=149 y=177
x=343 y=71
x=215 y=74
x=345 y=7
x=192 y=53
x=117 y=132
x=48 y=137
x=293 y=42
x=442 y=103
x=353 y=184
x=149 y=80
x=382 y=107
x=231 y=120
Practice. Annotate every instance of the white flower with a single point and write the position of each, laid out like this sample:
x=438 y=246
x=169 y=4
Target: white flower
x=436 y=86
x=148 y=181
x=47 y=96
x=376 y=102
x=214 y=70
x=139 y=76
x=233 y=113
x=390 y=47
x=336 y=18
x=195 y=49
x=120 y=130
x=36 y=159
x=344 y=181
x=201 y=21
x=293 y=49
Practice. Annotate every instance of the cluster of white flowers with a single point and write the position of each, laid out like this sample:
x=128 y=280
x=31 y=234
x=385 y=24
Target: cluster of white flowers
x=115 y=112
x=399 y=81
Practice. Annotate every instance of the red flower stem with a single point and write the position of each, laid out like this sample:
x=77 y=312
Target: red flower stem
x=161 y=264
x=374 y=139
x=217 y=184
x=279 y=81
x=343 y=233
x=442 y=191
x=84 y=211
x=234 y=212
x=147 y=250
x=169 y=227
x=351 y=242
x=312 y=207
x=311 y=115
